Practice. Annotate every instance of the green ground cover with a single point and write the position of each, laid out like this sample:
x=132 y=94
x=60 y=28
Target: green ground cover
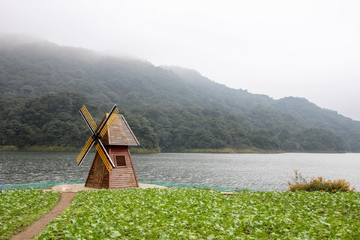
x=201 y=214
x=20 y=208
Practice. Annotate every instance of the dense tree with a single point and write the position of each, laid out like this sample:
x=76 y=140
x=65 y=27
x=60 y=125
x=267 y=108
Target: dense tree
x=172 y=108
x=143 y=132
x=51 y=120
x=264 y=139
x=320 y=140
x=284 y=135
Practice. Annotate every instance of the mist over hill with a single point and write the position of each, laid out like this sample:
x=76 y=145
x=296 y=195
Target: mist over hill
x=169 y=108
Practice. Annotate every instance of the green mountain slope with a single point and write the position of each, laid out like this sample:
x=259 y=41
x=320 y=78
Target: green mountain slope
x=290 y=113
x=32 y=70
x=170 y=108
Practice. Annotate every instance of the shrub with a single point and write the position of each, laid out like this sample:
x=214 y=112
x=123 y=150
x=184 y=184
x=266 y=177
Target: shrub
x=319 y=184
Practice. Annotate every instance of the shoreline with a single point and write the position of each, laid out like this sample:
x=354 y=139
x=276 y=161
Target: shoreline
x=137 y=150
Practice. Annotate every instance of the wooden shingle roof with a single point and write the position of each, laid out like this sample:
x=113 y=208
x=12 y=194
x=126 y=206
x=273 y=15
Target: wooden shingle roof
x=119 y=133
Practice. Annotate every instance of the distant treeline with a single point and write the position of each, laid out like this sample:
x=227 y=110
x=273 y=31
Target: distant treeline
x=53 y=120
x=42 y=86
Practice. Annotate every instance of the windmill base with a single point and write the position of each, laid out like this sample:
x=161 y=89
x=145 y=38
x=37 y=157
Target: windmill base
x=122 y=176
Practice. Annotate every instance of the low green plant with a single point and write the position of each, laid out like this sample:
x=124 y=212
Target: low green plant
x=200 y=214
x=318 y=184
x=20 y=208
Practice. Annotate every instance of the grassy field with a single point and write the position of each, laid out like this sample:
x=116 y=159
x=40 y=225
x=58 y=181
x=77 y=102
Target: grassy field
x=20 y=208
x=201 y=214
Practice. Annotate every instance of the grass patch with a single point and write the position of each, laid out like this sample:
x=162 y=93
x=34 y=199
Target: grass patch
x=20 y=208
x=200 y=214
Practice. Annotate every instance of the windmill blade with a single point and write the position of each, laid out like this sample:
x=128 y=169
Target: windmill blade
x=89 y=143
x=106 y=124
x=105 y=158
x=86 y=115
x=106 y=153
x=109 y=122
x=96 y=136
x=88 y=123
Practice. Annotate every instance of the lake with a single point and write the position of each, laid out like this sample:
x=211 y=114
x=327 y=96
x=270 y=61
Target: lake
x=252 y=171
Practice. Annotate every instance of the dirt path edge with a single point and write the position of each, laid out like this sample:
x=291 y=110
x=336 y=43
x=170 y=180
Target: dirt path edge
x=37 y=227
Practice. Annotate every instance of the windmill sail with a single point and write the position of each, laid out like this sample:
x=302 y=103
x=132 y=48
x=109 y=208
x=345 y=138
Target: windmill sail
x=86 y=115
x=108 y=121
x=89 y=143
x=104 y=158
x=97 y=133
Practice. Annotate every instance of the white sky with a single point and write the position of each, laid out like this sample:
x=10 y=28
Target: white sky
x=284 y=48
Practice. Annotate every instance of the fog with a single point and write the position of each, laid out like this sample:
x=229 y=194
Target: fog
x=279 y=48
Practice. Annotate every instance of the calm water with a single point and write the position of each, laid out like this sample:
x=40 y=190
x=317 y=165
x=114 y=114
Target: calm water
x=254 y=171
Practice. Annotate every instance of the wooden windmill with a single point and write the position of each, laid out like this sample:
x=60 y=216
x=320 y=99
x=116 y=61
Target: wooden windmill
x=112 y=166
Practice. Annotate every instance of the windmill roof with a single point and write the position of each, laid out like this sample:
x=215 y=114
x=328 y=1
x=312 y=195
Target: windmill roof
x=119 y=133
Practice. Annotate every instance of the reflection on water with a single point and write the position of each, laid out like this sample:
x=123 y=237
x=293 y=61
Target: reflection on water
x=254 y=171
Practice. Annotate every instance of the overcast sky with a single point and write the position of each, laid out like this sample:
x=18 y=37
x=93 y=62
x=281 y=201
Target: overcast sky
x=285 y=48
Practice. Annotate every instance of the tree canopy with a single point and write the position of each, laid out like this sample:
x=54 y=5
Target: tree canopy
x=42 y=86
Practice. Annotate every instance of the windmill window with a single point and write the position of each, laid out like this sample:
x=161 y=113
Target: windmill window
x=120 y=161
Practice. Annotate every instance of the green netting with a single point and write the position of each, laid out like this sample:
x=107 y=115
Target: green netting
x=48 y=185
x=215 y=188
x=41 y=185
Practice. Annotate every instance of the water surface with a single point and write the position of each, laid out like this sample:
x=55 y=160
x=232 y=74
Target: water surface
x=253 y=171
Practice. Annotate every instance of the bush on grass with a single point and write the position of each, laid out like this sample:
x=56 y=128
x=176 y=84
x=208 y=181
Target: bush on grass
x=319 y=184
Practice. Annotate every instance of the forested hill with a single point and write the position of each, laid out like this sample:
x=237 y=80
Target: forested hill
x=35 y=69
x=168 y=108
